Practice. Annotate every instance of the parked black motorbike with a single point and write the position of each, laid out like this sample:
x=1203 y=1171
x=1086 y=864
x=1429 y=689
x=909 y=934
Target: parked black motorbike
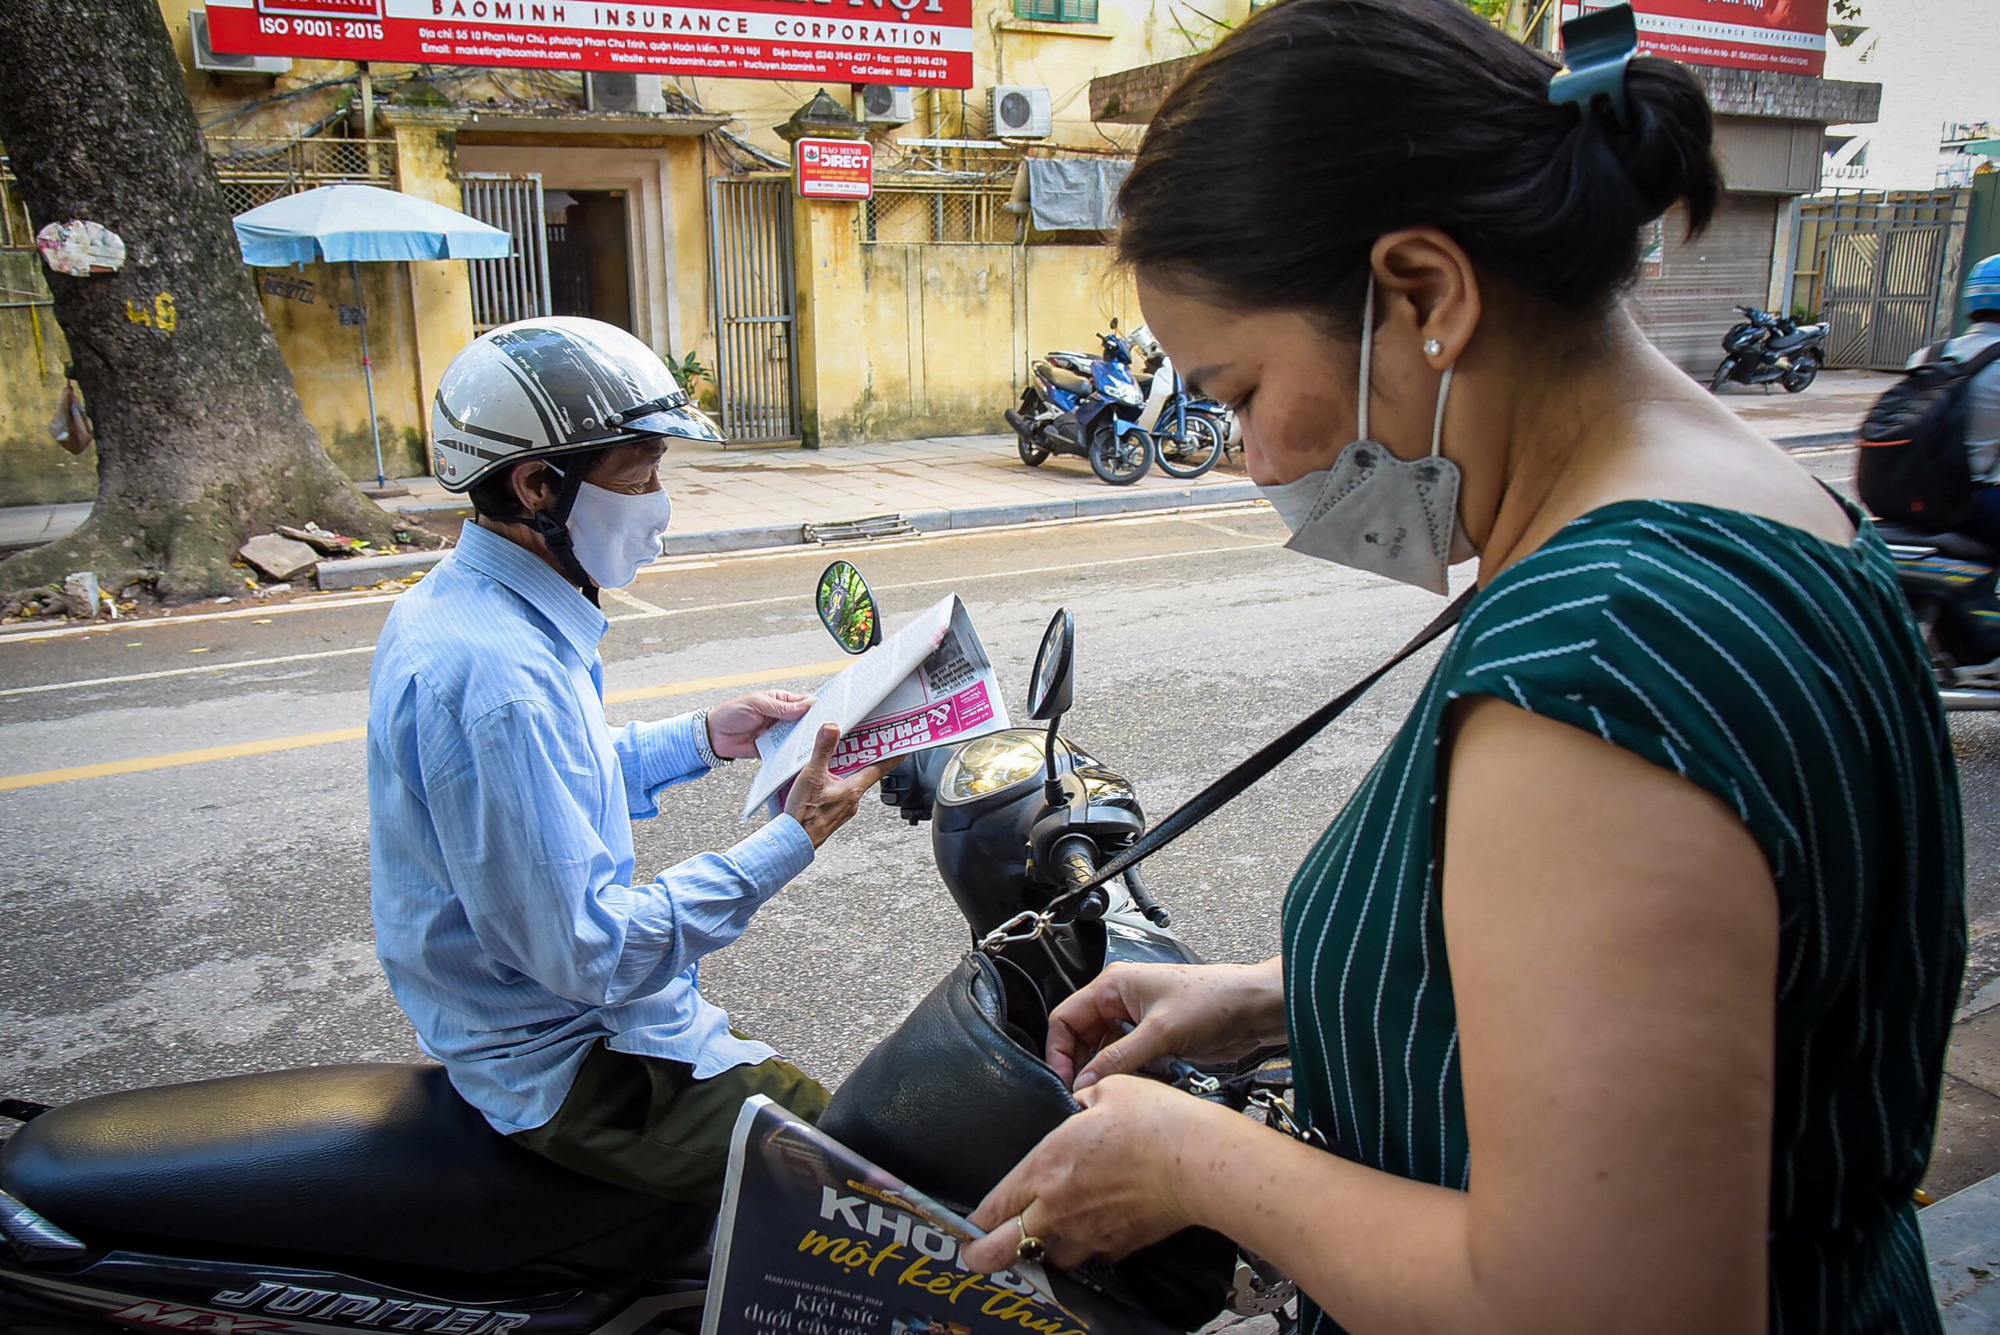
x=1950 y=580
x=371 y=1198
x=1087 y=406
x=1766 y=349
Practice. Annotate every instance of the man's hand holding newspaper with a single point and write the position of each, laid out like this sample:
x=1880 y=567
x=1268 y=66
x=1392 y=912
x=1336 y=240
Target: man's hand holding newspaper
x=931 y=682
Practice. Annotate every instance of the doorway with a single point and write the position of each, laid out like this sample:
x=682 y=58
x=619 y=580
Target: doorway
x=590 y=268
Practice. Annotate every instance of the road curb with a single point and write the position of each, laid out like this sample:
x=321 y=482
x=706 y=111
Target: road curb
x=1814 y=439
x=367 y=571
x=976 y=516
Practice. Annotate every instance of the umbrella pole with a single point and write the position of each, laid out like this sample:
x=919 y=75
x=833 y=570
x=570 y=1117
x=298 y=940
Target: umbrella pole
x=368 y=374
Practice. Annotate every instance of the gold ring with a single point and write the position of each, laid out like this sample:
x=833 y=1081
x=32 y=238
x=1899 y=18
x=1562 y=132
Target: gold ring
x=1030 y=1248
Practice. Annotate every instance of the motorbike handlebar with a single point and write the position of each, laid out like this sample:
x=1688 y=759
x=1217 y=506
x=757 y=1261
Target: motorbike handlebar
x=1075 y=857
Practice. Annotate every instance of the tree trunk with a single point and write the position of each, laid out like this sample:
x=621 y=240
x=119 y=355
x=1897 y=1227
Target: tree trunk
x=200 y=436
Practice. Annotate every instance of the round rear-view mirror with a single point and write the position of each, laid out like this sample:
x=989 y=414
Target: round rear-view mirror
x=1050 y=691
x=847 y=608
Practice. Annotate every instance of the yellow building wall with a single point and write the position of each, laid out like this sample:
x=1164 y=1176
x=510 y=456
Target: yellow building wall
x=898 y=341
x=34 y=470
x=325 y=357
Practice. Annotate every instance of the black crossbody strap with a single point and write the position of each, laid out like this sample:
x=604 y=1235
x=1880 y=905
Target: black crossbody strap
x=1274 y=753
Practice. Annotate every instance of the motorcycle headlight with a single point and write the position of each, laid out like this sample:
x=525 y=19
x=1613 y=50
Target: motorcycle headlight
x=991 y=764
x=1126 y=394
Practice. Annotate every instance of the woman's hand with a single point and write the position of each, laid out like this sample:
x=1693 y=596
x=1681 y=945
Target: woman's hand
x=1198 y=1012
x=733 y=728
x=1104 y=1183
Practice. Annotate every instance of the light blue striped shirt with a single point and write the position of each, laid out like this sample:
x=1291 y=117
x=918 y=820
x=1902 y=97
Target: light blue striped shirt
x=500 y=804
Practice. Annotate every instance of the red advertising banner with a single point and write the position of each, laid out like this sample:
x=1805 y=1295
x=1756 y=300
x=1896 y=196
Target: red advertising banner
x=834 y=168
x=1787 y=35
x=920 y=42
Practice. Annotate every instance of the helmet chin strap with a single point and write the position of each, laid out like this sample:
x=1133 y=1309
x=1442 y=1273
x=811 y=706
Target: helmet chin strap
x=553 y=526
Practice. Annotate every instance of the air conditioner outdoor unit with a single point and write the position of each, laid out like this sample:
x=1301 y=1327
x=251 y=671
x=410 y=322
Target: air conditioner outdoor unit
x=1023 y=113
x=885 y=104
x=624 y=92
x=207 y=57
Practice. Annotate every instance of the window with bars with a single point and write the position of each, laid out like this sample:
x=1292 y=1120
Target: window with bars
x=938 y=217
x=1056 y=11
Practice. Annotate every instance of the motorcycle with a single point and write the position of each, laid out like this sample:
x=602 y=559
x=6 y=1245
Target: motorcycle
x=1089 y=406
x=1950 y=581
x=1190 y=432
x=1763 y=348
x=371 y=1198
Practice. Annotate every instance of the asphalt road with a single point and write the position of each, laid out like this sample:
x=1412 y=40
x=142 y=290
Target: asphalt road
x=208 y=916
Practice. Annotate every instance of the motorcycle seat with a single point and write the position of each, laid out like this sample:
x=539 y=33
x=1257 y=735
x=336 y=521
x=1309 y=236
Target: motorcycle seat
x=373 y=1162
x=1946 y=544
x=1798 y=339
x=1063 y=378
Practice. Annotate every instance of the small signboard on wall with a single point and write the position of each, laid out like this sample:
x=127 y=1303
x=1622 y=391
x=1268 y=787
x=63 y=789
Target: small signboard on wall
x=834 y=168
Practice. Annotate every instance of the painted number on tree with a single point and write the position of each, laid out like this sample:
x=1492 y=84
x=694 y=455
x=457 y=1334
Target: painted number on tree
x=160 y=315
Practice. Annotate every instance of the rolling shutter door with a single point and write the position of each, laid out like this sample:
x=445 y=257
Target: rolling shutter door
x=1685 y=307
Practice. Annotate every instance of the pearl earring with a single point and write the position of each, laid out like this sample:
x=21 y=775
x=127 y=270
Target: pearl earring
x=1432 y=347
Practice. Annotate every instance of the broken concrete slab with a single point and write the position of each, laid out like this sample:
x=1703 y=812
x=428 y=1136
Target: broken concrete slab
x=320 y=540
x=278 y=558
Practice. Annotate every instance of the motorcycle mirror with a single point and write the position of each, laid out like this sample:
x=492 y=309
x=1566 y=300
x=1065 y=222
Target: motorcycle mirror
x=847 y=608
x=1050 y=692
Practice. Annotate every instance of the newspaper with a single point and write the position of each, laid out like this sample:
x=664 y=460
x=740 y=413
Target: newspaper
x=930 y=682
x=816 y=1240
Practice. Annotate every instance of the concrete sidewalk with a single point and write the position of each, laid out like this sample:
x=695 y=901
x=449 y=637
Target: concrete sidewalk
x=731 y=500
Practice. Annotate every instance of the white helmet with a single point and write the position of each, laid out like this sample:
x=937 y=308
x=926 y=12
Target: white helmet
x=552 y=385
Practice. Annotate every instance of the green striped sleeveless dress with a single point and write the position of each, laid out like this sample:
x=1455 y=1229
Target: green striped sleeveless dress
x=1781 y=673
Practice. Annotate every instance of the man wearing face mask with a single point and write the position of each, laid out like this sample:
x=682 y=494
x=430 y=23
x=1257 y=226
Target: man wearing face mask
x=559 y=988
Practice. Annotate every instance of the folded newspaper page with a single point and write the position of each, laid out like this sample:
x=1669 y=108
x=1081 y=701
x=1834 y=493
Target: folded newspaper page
x=930 y=682
x=816 y=1240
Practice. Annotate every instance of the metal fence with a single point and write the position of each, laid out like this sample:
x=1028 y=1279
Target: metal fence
x=256 y=170
x=751 y=280
x=15 y=231
x=1879 y=268
x=515 y=287
x=939 y=215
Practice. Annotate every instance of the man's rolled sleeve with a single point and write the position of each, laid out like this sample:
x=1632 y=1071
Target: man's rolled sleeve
x=655 y=755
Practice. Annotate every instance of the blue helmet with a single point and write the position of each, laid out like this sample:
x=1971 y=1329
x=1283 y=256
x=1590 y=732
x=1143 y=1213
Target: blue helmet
x=1982 y=286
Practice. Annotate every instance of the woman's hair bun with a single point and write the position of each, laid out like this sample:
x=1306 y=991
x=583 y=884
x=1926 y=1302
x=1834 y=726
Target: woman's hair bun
x=1669 y=146
x=1320 y=125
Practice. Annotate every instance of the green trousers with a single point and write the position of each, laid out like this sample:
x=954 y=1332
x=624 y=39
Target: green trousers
x=648 y=1124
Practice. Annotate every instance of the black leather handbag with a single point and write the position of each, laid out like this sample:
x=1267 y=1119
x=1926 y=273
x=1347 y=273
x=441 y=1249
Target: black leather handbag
x=959 y=1093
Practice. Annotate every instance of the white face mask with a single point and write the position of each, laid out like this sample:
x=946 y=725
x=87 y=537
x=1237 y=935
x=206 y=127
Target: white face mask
x=1373 y=511
x=613 y=533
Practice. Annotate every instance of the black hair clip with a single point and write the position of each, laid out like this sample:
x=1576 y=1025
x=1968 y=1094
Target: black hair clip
x=1597 y=48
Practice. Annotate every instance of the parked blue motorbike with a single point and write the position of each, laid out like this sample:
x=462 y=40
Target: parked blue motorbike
x=1089 y=406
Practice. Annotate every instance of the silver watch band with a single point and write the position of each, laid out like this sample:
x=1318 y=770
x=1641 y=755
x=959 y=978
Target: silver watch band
x=703 y=747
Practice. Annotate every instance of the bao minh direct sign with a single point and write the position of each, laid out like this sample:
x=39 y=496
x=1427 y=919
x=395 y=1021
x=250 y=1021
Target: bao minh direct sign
x=834 y=168
x=922 y=42
x=1787 y=35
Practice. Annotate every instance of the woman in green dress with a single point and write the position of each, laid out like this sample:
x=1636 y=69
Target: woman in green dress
x=1619 y=991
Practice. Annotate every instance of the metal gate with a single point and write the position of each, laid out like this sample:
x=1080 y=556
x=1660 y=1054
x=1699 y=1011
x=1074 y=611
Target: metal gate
x=1880 y=270
x=750 y=275
x=516 y=287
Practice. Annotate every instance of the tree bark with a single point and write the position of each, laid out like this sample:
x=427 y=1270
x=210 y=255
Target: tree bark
x=201 y=439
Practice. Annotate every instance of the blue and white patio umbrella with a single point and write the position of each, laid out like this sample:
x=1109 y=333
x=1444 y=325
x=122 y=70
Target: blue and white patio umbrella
x=357 y=223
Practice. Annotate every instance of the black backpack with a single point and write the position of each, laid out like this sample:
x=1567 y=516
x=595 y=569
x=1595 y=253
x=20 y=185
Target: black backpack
x=1913 y=467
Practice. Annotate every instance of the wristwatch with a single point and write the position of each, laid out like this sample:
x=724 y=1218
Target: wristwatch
x=705 y=748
